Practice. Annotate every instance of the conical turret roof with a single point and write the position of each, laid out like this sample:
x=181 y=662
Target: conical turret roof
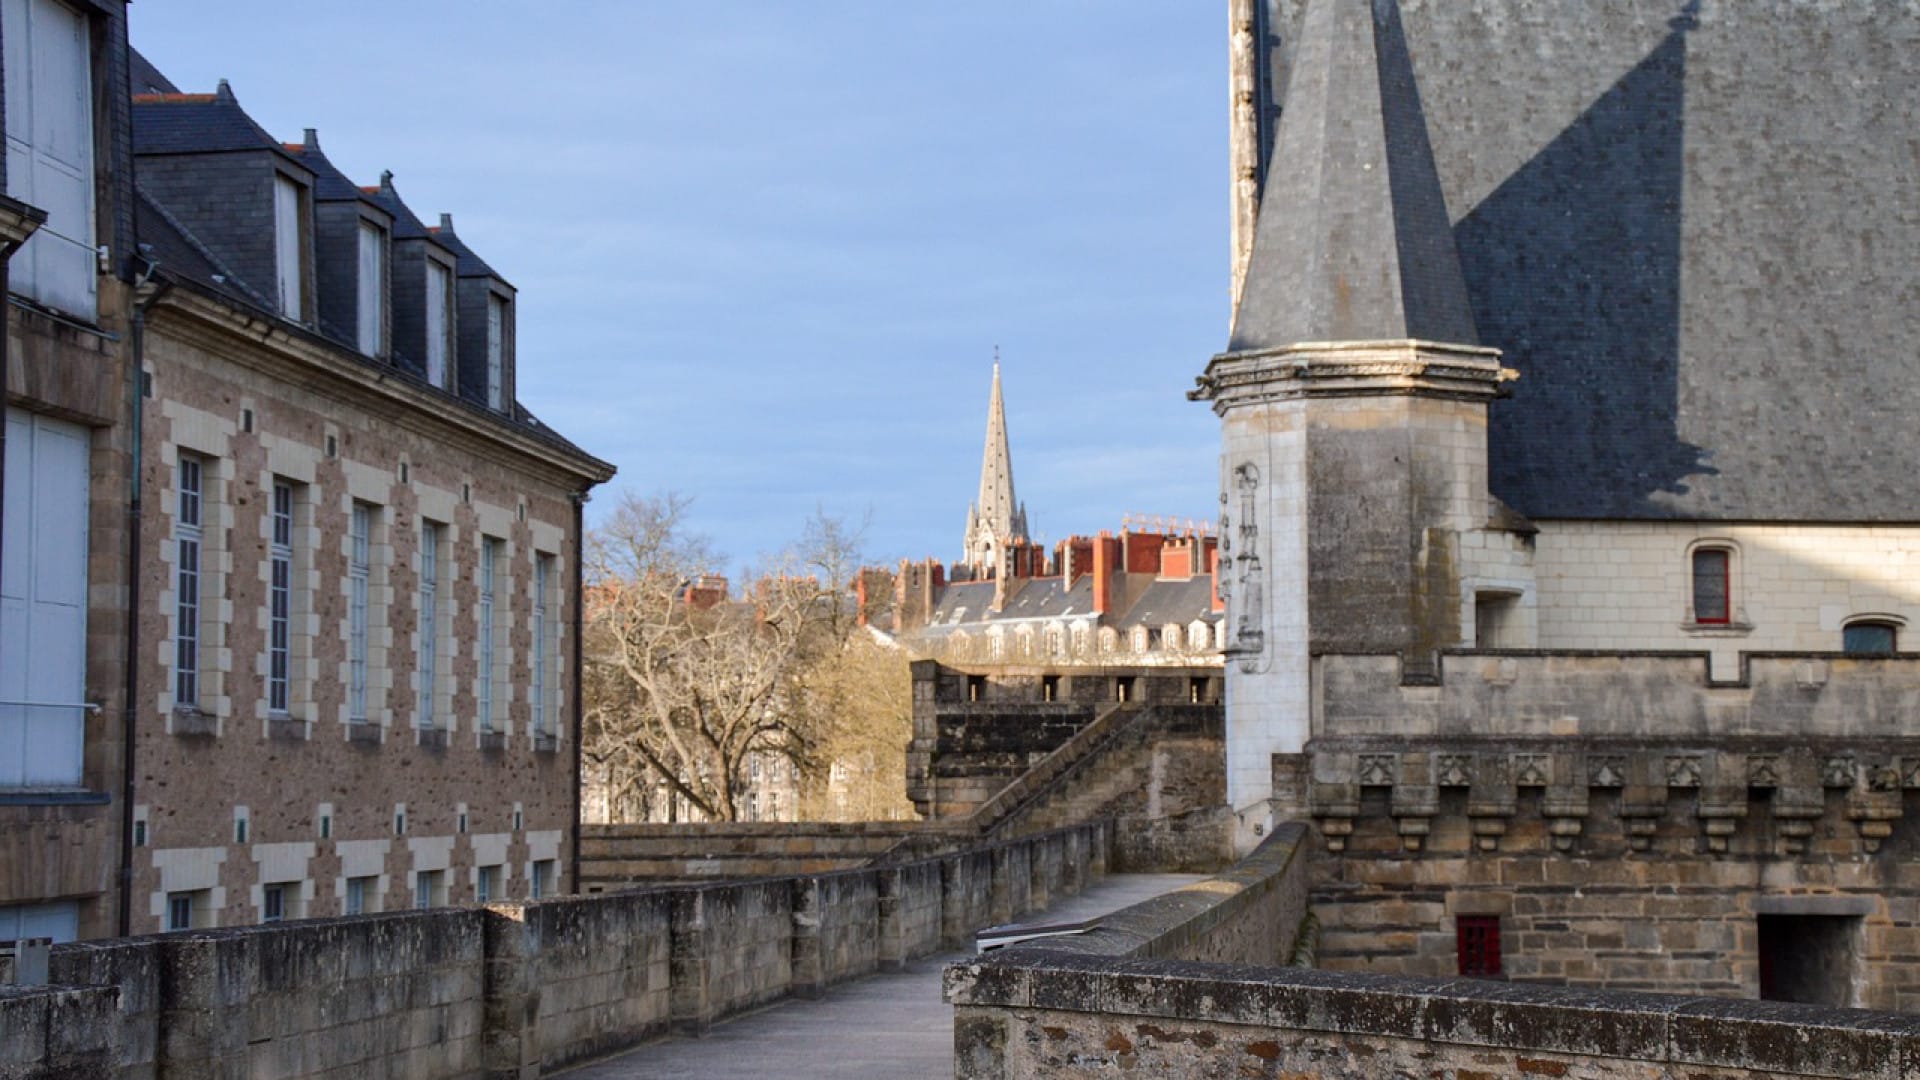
x=1353 y=241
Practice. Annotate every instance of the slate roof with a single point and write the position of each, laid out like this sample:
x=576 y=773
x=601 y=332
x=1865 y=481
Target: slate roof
x=1691 y=228
x=1171 y=602
x=466 y=263
x=329 y=183
x=965 y=604
x=174 y=123
x=962 y=601
x=166 y=241
x=1364 y=250
x=144 y=78
x=406 y=226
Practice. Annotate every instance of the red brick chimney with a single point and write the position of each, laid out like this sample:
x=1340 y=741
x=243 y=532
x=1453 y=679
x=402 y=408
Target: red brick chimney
x=1176 y=559
x=1142 y=551
x=1076 y=559
x=705 y=591
x=1106 y=557
x=1213 y=573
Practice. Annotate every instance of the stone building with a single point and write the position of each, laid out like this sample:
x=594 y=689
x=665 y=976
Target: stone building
x=70 y=388
x=1570 y=537
x=352 y=556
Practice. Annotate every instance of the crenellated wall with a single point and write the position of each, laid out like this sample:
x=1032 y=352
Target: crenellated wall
x=1627 y=819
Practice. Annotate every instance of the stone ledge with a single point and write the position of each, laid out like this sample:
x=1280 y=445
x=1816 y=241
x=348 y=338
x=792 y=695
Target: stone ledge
x=493 y=741
x=1773 y=1038
x=364 y=733
x=434 y=738
x=545 y=742
x=286 y=729
x=191 y=722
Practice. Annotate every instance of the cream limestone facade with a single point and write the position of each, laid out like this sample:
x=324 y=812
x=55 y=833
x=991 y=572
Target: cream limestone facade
x=1792 y=588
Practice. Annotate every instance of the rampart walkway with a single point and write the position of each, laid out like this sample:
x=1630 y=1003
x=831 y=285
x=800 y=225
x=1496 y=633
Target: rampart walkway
x=891 y=1026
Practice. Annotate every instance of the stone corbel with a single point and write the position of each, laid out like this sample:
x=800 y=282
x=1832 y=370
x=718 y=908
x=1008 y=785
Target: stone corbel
x=1490 y=801
x=1334 y=808
x=1414 y=806
x=1565 y=804
x=1720 y=810
x=1875 y=805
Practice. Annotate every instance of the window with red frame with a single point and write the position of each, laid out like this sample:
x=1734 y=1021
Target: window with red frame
x=1712 y=585
x=1478 y=938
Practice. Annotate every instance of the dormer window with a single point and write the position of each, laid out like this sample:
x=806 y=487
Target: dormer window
x=49 y=121
x=439 y=323
x=288 y=249
x=499 y=349
x=371 y=309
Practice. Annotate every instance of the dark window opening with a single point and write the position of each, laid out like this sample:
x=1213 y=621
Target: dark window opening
x=1049 y=688
x=1711 y=585
x=1153 y=640
x=976 y=687
x=1197 y=690
x=1123 y=688
x=1808 y=958
x=1478 y=939
x=1869 y=639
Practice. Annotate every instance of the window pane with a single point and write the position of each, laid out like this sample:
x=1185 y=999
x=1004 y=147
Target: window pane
x=1710 y=586
x=371 y=299
x=439 y=303
x=1868 y=639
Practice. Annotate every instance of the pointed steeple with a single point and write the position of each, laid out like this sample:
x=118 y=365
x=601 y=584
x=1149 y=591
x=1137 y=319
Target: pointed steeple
x=1353 y=242
x=996 y=516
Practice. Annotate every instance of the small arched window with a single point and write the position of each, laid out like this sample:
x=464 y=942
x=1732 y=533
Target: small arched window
x=1712 y=585
x=1870 y=637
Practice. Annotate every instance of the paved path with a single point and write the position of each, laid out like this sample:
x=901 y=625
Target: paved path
x=891 y=1026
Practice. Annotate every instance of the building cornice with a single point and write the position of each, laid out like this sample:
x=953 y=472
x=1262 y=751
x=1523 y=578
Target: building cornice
x=18 y=221
x=1352 y=369
x=266 y=345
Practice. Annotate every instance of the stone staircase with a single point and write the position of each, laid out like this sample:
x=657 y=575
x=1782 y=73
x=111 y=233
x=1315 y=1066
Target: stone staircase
x=1157 y=768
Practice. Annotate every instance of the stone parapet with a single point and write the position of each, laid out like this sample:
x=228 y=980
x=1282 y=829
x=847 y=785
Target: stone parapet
x=1039 y=1013
x=514 y=989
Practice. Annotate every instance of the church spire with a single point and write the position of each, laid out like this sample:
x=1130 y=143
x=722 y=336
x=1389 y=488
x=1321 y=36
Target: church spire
x=996 y=516
x=1353 y=241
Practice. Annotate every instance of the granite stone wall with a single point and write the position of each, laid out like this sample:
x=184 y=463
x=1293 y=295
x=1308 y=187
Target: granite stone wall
x=1165 y=988
x=513 y=989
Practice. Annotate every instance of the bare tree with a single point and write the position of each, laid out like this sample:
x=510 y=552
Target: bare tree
x=861 y=697
x=683 y=682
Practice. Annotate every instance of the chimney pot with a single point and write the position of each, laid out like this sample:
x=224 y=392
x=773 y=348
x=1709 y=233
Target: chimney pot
x=311 y=140
x=446 y=222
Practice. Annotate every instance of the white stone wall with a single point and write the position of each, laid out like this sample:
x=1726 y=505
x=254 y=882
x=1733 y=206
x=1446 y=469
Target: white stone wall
x=1268 y=694
x=1619 y=585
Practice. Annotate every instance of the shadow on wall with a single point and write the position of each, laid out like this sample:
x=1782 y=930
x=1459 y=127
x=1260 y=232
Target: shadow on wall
x=1573 y=266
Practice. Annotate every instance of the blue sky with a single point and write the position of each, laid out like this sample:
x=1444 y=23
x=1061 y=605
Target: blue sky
x=764 y=251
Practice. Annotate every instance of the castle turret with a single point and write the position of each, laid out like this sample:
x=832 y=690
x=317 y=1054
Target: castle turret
x=1352 y=396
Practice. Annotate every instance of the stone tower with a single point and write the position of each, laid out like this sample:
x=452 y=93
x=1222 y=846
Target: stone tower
x=1352 y=396
x=996 y=516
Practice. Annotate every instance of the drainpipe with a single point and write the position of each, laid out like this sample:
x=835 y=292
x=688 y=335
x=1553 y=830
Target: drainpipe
x=146 y=293
x=579 y=627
